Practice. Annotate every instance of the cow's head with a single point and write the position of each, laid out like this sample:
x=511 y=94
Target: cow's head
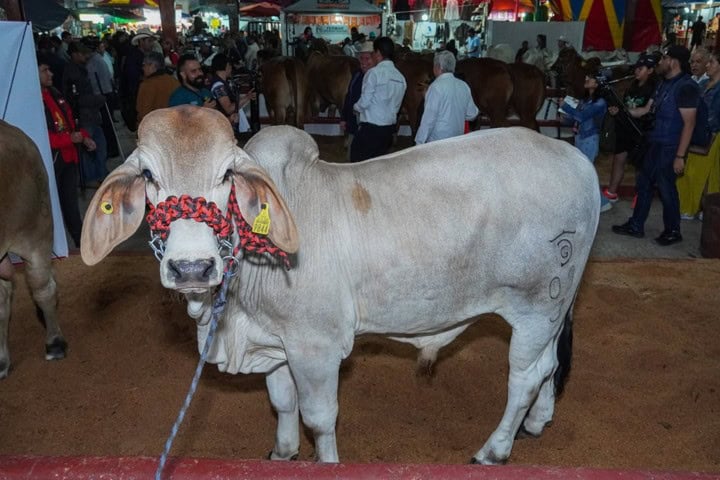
x=184 y=151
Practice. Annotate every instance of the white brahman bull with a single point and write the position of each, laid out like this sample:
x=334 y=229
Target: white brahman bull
x=411 y=245
x=26 y=229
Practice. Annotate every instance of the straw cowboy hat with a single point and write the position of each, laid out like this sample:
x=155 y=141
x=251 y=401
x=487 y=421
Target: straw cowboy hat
x=366 y=47
x=143 y=33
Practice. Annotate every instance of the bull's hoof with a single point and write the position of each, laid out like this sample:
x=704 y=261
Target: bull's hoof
x=56 y=350
x=4 y=369
x=291 y=459
x=491 y=460
x=523 y=433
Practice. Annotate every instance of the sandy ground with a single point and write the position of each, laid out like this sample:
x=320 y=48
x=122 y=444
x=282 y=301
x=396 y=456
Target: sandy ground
x=644 y=391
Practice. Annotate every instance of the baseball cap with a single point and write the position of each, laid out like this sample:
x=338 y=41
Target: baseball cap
x=77 y=47
x=681 y=54
x=646 y=60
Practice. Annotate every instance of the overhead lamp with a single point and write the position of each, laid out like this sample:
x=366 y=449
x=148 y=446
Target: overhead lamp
x=424 y=17
x=338 y=18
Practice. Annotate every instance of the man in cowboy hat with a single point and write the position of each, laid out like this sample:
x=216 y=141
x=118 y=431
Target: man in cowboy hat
x=349 y=120
x=132 y=74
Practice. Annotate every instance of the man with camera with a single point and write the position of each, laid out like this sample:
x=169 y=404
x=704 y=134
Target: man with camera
x=674 y=108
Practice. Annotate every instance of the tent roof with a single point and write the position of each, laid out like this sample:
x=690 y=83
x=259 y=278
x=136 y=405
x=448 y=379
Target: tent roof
x=332 y=6
x=45 y=15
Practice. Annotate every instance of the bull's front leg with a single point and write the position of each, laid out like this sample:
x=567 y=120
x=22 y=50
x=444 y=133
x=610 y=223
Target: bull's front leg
x=283 y=397
x=316 y=371
x=40 y=278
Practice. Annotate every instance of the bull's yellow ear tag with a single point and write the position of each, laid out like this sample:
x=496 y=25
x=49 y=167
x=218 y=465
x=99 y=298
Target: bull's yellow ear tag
x=261 y=224
x=106 y=208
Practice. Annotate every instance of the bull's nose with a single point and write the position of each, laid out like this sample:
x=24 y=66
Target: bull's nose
x=195 y=271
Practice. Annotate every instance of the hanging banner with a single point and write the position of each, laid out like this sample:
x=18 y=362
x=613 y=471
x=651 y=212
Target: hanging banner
x=21 y=104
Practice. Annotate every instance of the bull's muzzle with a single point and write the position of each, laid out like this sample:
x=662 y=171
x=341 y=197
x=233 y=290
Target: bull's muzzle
x=192 y=273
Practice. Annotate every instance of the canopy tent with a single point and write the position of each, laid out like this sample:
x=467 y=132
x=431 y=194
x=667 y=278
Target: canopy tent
x=262 y=9
x=119 y=15
x=128 y=3
x=606 y=21
x=522 y=6
x=334 y=12
x=45 y=14
x=333 y=6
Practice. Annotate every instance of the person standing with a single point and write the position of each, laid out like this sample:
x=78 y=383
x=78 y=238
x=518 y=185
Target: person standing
x=521 y=51
x=383 y=89
x=65 y=138
x=448 y=103
x=702 y=172
x=226 y=101
x=192 y=89
x=588 y=117
x=472 y=44
x=77 y=88
x=698 y=66
x=348 y=122
x=627 y=136
x=156 y=88
x=698 y=33
x=102 y=83
x=674 y=106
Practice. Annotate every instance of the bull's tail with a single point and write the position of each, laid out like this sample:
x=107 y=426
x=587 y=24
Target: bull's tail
x=564 y=352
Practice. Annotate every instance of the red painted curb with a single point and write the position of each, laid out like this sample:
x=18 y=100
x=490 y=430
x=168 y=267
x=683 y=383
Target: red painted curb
x=131 y=468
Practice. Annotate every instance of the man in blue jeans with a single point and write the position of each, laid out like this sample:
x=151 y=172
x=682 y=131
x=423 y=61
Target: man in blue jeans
x=674 y=106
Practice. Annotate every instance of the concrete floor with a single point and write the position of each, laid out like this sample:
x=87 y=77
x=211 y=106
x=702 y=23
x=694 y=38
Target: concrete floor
x=607 y=244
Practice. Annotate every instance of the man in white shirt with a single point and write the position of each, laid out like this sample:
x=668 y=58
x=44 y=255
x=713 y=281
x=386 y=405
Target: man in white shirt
x=472 y=44
x=383 y=89
x=448 y=103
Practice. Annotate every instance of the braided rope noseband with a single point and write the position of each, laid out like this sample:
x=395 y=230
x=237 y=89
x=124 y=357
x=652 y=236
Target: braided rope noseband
x=173 y=208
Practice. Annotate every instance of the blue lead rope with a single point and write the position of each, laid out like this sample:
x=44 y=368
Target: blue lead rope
x=218 y=307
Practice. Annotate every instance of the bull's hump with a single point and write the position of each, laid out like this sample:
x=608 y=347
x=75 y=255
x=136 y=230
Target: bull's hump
x=182 y=123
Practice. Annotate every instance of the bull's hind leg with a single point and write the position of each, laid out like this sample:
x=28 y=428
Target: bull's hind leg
x=41 y=281
x=532 y=362
x=283 y=397
x=6 y=288
x=541 y=413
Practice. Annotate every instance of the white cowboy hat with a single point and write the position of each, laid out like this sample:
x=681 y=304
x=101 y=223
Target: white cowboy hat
x=366 y=47
x=143 y=33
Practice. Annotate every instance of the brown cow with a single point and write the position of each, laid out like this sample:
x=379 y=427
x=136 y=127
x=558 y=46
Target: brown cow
x=26 y=229
x=328 y=77
x=491 y=85
x=284 y=85
x=528 y=93
x=418 y=73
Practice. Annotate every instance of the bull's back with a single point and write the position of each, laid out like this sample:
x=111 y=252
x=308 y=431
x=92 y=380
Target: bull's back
x=472 y=218
x=24 y=192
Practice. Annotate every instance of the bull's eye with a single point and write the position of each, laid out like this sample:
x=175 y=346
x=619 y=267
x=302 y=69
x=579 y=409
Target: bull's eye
x=228 y=175
x=148 y=175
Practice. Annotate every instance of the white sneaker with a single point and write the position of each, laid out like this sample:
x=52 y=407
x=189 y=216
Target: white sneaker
x=605 y=207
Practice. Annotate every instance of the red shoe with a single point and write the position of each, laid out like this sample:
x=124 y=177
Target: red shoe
x=612 y=197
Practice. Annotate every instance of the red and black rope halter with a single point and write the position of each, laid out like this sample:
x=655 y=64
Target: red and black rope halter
x=197 y=208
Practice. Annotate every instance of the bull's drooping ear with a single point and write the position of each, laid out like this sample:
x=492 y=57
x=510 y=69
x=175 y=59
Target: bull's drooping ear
x=115 y=212
x=253 y=187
